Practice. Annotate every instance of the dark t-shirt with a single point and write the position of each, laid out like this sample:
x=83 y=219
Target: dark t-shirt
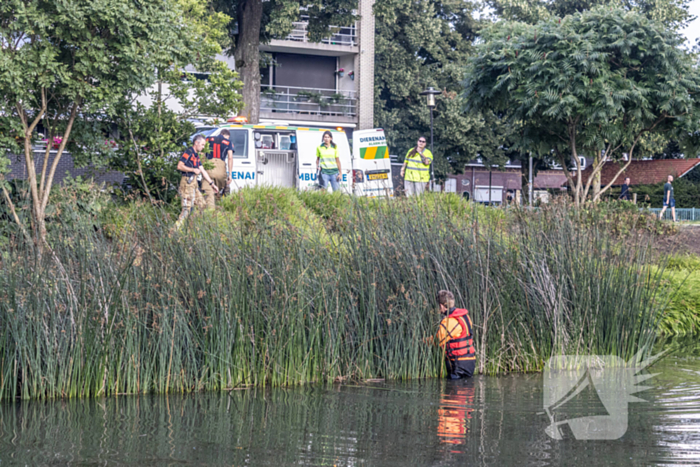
x=625 y=193
x=668 y=187
x=190 y=159
x=220 y=147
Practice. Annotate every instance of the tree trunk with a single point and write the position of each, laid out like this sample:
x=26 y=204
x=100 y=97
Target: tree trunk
x=247 y=56
x=578 y=198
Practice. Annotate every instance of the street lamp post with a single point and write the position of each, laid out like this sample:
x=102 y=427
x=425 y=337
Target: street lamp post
x=430 y=94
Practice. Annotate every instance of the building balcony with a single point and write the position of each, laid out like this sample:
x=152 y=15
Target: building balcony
x=342 y=42
x=296 y=103
x=343 y=35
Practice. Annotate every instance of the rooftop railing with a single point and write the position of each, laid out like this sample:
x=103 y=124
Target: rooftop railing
x=309 y=101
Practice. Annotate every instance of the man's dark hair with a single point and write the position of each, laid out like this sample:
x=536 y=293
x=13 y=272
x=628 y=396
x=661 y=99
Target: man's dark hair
x=225 y=133
x=198 y=137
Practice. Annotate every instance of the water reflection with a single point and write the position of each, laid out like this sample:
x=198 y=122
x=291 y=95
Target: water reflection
x=455 y=412
x=486 y=421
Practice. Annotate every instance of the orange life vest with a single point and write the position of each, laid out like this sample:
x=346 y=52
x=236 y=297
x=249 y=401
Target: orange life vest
x=460 y=347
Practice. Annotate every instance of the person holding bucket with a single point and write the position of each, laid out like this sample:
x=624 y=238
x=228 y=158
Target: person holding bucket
x=221 y=153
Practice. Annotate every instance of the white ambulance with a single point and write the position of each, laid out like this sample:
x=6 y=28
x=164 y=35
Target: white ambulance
x=285 y=156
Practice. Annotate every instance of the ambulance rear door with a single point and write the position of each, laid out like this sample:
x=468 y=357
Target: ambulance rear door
x=308 y=140
x=371 y=164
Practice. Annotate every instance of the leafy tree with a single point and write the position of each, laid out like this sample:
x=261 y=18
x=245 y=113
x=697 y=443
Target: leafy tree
x=428 y=43
x=256 y=22
x=672 y=150
x=66 y=65
x=595 y=82
x=694 y=177
x=672 y=13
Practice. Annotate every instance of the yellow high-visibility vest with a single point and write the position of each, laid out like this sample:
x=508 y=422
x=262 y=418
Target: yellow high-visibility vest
x=327 y=156
x=416 y=170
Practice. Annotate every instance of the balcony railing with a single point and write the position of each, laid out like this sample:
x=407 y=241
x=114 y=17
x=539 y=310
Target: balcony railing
x=309 y=101
x=343 y=35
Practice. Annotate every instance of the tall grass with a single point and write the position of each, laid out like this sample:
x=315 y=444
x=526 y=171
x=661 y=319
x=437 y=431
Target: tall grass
x=282 y=288
x=682 y=315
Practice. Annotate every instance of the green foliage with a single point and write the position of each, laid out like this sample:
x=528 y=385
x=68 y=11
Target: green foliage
x=160 y=139
x=673 y=13
x=258 y=294
x=77 y=203
x=266 y=206
x=623 y=218
x=690 y=263
x=421 y=44
x=278 y=16
x=685 y=192
x=83 y=52
x=682 y=314
x=588 y=82
x=71 y=66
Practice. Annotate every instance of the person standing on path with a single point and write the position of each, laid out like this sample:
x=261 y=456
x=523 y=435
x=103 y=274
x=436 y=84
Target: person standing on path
x=190 y=166
x=416 y=169
x=669 y=200
x=456 y=337
x=625 y=192
x=221 y=155
x=328 y=162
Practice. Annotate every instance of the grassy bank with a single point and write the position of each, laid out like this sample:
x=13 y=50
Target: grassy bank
x=682 y=279
x=279 y=287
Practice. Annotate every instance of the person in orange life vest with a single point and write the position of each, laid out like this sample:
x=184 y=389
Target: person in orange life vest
x=190 y=166
x=221 y=154
x=456 y=337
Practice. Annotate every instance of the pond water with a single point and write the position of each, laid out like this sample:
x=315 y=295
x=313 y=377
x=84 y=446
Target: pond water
x=484 y=421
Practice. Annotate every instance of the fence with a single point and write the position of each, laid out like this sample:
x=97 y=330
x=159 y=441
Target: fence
x=66 y=167
x=682 y=214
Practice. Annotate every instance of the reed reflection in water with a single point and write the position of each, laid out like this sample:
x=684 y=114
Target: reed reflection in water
x=484 y=421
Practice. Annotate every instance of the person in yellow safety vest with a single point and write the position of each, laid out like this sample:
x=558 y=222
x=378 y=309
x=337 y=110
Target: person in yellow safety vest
x=456 y=337
x=328 y=162
x=416 y=169
x=190 y=166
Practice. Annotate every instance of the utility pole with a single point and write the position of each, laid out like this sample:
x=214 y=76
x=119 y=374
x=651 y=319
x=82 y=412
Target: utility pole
x=529 y=178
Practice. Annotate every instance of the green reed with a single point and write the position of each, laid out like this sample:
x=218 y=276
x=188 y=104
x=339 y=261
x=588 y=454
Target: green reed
x=280 y=288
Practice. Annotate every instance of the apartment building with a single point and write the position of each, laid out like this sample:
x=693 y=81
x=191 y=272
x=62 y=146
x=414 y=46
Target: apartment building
x=327 y=83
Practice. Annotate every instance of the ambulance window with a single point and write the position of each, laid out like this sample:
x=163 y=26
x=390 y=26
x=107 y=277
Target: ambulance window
x=239 y=138
x=285 y=142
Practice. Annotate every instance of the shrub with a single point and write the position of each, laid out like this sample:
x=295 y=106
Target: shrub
x=682 y=314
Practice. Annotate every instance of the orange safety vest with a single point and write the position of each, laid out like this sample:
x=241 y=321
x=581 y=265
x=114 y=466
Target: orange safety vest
x=460 y=347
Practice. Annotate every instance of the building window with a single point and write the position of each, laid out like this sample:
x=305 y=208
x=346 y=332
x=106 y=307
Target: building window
x=305 y=71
